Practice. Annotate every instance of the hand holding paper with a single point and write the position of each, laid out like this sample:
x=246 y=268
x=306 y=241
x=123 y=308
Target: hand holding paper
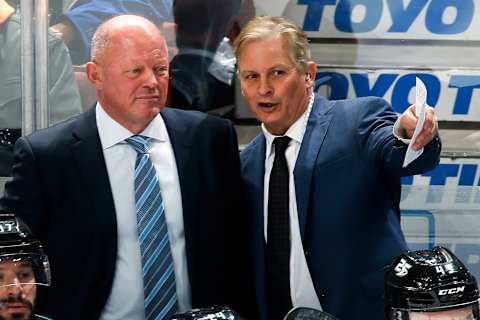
x=418 y=123
x=420 y=102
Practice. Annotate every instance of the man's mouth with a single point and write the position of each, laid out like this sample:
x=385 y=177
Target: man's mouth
x=267 y=105
x=17 y=306
x=149 y=97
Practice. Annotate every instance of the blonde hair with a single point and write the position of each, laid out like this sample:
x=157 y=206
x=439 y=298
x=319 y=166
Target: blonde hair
x=265 y=27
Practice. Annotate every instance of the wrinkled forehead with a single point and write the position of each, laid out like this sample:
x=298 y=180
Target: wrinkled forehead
x=266 y=41
x=134 y=53
x=264 y=54
x=136 y=42
x=141 y=40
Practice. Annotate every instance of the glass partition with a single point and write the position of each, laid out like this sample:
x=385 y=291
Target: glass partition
x=38 y=86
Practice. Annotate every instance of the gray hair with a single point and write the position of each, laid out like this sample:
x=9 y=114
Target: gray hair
x=99 y=43
x=265 y=27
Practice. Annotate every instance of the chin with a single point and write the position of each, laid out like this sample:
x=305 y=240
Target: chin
x=20 y=316
x=153 y=111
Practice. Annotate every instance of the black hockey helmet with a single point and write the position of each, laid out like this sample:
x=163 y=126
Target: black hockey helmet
x=304 y=313
x=429 y=281
x=19 y=246
x=210 y=313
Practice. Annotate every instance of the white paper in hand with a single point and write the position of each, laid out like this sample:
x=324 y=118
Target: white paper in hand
x=420 y=103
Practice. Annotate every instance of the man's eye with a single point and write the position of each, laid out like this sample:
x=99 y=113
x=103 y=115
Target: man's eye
x=278 y=73
x=161 y=71
x=250 y=77
x=25 y=276
x=133 y=72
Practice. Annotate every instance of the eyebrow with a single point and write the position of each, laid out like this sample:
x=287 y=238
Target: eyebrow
x=280 y=65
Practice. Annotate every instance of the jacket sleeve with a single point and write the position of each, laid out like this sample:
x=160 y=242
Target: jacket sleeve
x=241 y=293
x=23 y=194
x=375 y=120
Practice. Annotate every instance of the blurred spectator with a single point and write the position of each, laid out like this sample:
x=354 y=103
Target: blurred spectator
x=198 y=80
x=79 y=22
x=63 y=94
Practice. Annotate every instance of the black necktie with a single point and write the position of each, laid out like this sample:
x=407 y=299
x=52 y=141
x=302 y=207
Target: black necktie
x=278 y=235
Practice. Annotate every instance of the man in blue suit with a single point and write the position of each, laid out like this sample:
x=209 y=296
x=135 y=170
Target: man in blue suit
x=323 y=180
x=73 y=184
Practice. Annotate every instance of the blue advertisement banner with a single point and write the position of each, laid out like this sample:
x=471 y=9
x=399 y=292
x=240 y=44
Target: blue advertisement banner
x=453 y=93
x=387 y=19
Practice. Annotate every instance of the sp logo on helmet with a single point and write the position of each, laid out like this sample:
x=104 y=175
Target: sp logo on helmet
x=445 y=292
x=401 y=270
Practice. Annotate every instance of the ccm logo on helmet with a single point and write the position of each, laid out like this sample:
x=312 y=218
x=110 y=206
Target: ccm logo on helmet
x=444 y=292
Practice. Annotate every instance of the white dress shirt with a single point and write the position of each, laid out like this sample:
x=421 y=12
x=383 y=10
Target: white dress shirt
x=302 y=291
x=126 y=298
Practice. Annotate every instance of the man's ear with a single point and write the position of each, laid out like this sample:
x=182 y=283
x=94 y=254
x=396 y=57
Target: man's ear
x=310 y=73
x=94 y=74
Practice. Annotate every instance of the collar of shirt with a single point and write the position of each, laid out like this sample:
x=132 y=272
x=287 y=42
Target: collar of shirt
x=295 y=132
x=111 y=132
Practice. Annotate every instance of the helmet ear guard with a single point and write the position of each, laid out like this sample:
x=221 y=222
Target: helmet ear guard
x=476 y=311
x=398 y=315
x=428 y=281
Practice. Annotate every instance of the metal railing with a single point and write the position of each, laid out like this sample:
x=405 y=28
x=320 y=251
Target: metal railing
x=34 y=65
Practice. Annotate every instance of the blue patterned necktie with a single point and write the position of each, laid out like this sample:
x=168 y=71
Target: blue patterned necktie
x=157 y=263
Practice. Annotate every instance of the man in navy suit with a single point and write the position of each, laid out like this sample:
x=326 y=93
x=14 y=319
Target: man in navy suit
x=323 y=180
x=73 y=184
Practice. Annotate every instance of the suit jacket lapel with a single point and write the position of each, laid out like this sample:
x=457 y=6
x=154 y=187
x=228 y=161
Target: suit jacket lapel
x=317 y=127
x=88 y=155
x=180 y=138
x=254 y=178
x=257 y=175
x=178 y=133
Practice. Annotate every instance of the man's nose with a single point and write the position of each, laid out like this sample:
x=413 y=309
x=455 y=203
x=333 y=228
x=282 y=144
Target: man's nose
x=265 y=87
x=151 y=80
x=14 y=288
